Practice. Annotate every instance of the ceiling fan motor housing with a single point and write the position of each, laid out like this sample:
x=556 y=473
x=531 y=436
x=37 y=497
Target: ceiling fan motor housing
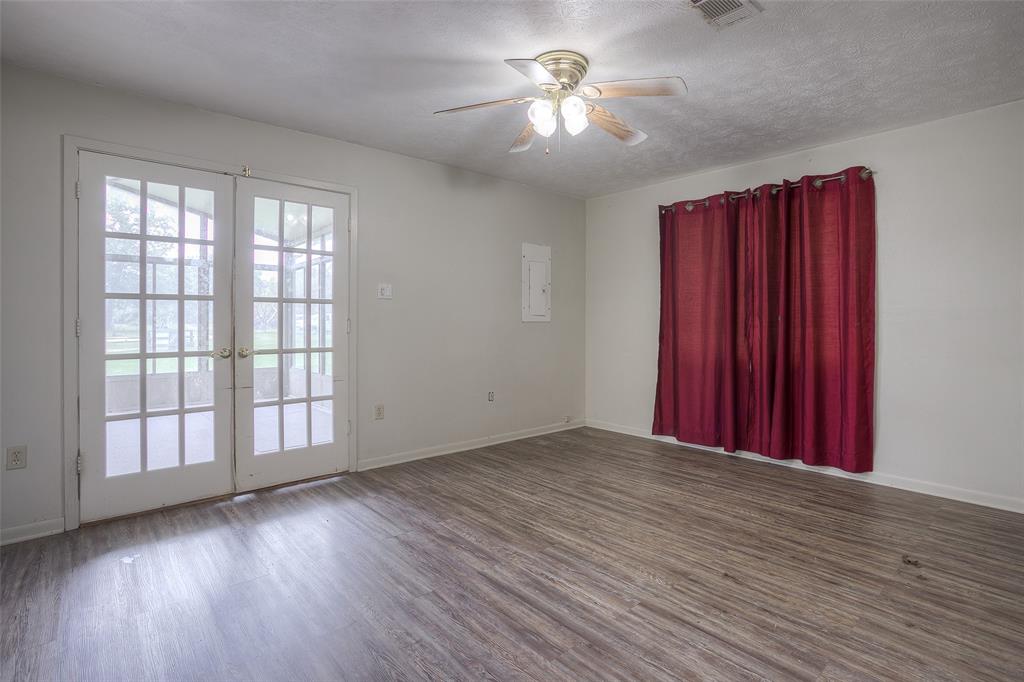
x=568 y=68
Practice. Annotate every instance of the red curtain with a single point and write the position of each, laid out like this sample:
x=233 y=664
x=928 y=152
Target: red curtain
x=767 y=339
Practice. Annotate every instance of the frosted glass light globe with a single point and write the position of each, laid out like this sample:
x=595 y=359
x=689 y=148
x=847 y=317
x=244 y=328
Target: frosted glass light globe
x=547 y=126
x=576 y=125
x=539 y=111
x=573 y=107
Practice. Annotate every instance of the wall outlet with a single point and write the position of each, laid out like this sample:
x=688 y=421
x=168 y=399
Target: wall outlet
x=378 y=411
x=568 y=419
x=490 y=396
x=17 y=457
x=384 y=291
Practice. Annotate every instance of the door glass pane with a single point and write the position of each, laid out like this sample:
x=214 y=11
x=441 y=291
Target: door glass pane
x=294 y=325
x=295 y=426
x=199 y=437
x=321 y=279
x=295 y=265
x=266 y=217
x=124 y=449
x=264 y=326
x=264 y=377
x=264 y=273
x=122 y=325
x=294 y=375
x=198 y=382
x=198 y=213
x=322 y=383
x=198 y=325
x=122 y=386
x=199 y=269
x=124 y=205
x=265 y=429
x=161 y=442
x=122 y=267
x=161 y=384
x=161 y=326
x=323 y=421
x=161 y=267
x=320 y=325
x=295 y=231
x=323 y=228
x=161 y=209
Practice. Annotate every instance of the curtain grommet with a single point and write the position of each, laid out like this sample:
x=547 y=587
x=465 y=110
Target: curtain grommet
x=818 y=183
x=865 y=173
x=689 y=207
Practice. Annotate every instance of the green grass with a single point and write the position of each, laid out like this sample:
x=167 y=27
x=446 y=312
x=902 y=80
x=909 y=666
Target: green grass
x=265 y=340
x=116 y=368
x=169 y=365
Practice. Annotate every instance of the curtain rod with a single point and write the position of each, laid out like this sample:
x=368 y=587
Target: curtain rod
x=864 y=174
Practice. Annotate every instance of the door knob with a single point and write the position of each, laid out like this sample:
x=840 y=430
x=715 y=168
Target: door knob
x=224 y=353
x=244 y=352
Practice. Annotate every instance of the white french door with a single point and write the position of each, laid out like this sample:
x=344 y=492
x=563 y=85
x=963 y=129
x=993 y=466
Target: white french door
x=210 y=353
x=291 y=314
x=155 y=247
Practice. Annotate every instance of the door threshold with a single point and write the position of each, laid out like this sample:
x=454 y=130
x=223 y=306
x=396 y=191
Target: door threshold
x=215 y=498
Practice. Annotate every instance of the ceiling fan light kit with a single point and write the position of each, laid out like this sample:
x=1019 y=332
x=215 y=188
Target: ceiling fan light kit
x=559 y=75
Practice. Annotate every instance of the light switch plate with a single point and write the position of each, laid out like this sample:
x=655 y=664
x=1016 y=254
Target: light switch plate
x=384 y=290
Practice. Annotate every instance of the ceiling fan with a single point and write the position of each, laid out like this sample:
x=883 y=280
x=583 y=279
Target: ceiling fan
x=559 y=74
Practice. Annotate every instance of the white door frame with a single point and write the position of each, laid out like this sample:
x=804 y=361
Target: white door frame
x=72 y=145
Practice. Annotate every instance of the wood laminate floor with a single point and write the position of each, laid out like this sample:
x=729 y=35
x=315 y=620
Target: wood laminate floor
x=579 y=555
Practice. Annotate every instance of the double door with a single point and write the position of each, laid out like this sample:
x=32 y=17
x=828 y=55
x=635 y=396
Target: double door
x=213 y=345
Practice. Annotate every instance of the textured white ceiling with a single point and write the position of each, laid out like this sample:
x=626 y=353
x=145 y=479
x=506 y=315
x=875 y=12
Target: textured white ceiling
x=800 y=74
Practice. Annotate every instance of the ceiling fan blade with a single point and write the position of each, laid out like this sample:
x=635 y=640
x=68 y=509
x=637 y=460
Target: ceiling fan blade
x=533 y=70
x=524 y=140
x=612 y=124
x=481 y=105
x=638 y=87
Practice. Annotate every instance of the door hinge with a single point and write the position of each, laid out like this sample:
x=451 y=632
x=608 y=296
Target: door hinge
x=78 y=189
x=246 y=172
x=78 y=327
x=349 y=431
x=348 y=326
x=78 y=463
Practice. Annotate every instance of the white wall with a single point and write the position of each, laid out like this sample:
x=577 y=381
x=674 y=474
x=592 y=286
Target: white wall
x=950 y=353
x=449 y=241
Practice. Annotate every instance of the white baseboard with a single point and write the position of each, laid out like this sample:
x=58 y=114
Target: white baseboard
x=876 y=477
x=31 y=530
x=437 y=450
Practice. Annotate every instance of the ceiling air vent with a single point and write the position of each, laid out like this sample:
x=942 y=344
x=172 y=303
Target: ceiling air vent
x=722 y=13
